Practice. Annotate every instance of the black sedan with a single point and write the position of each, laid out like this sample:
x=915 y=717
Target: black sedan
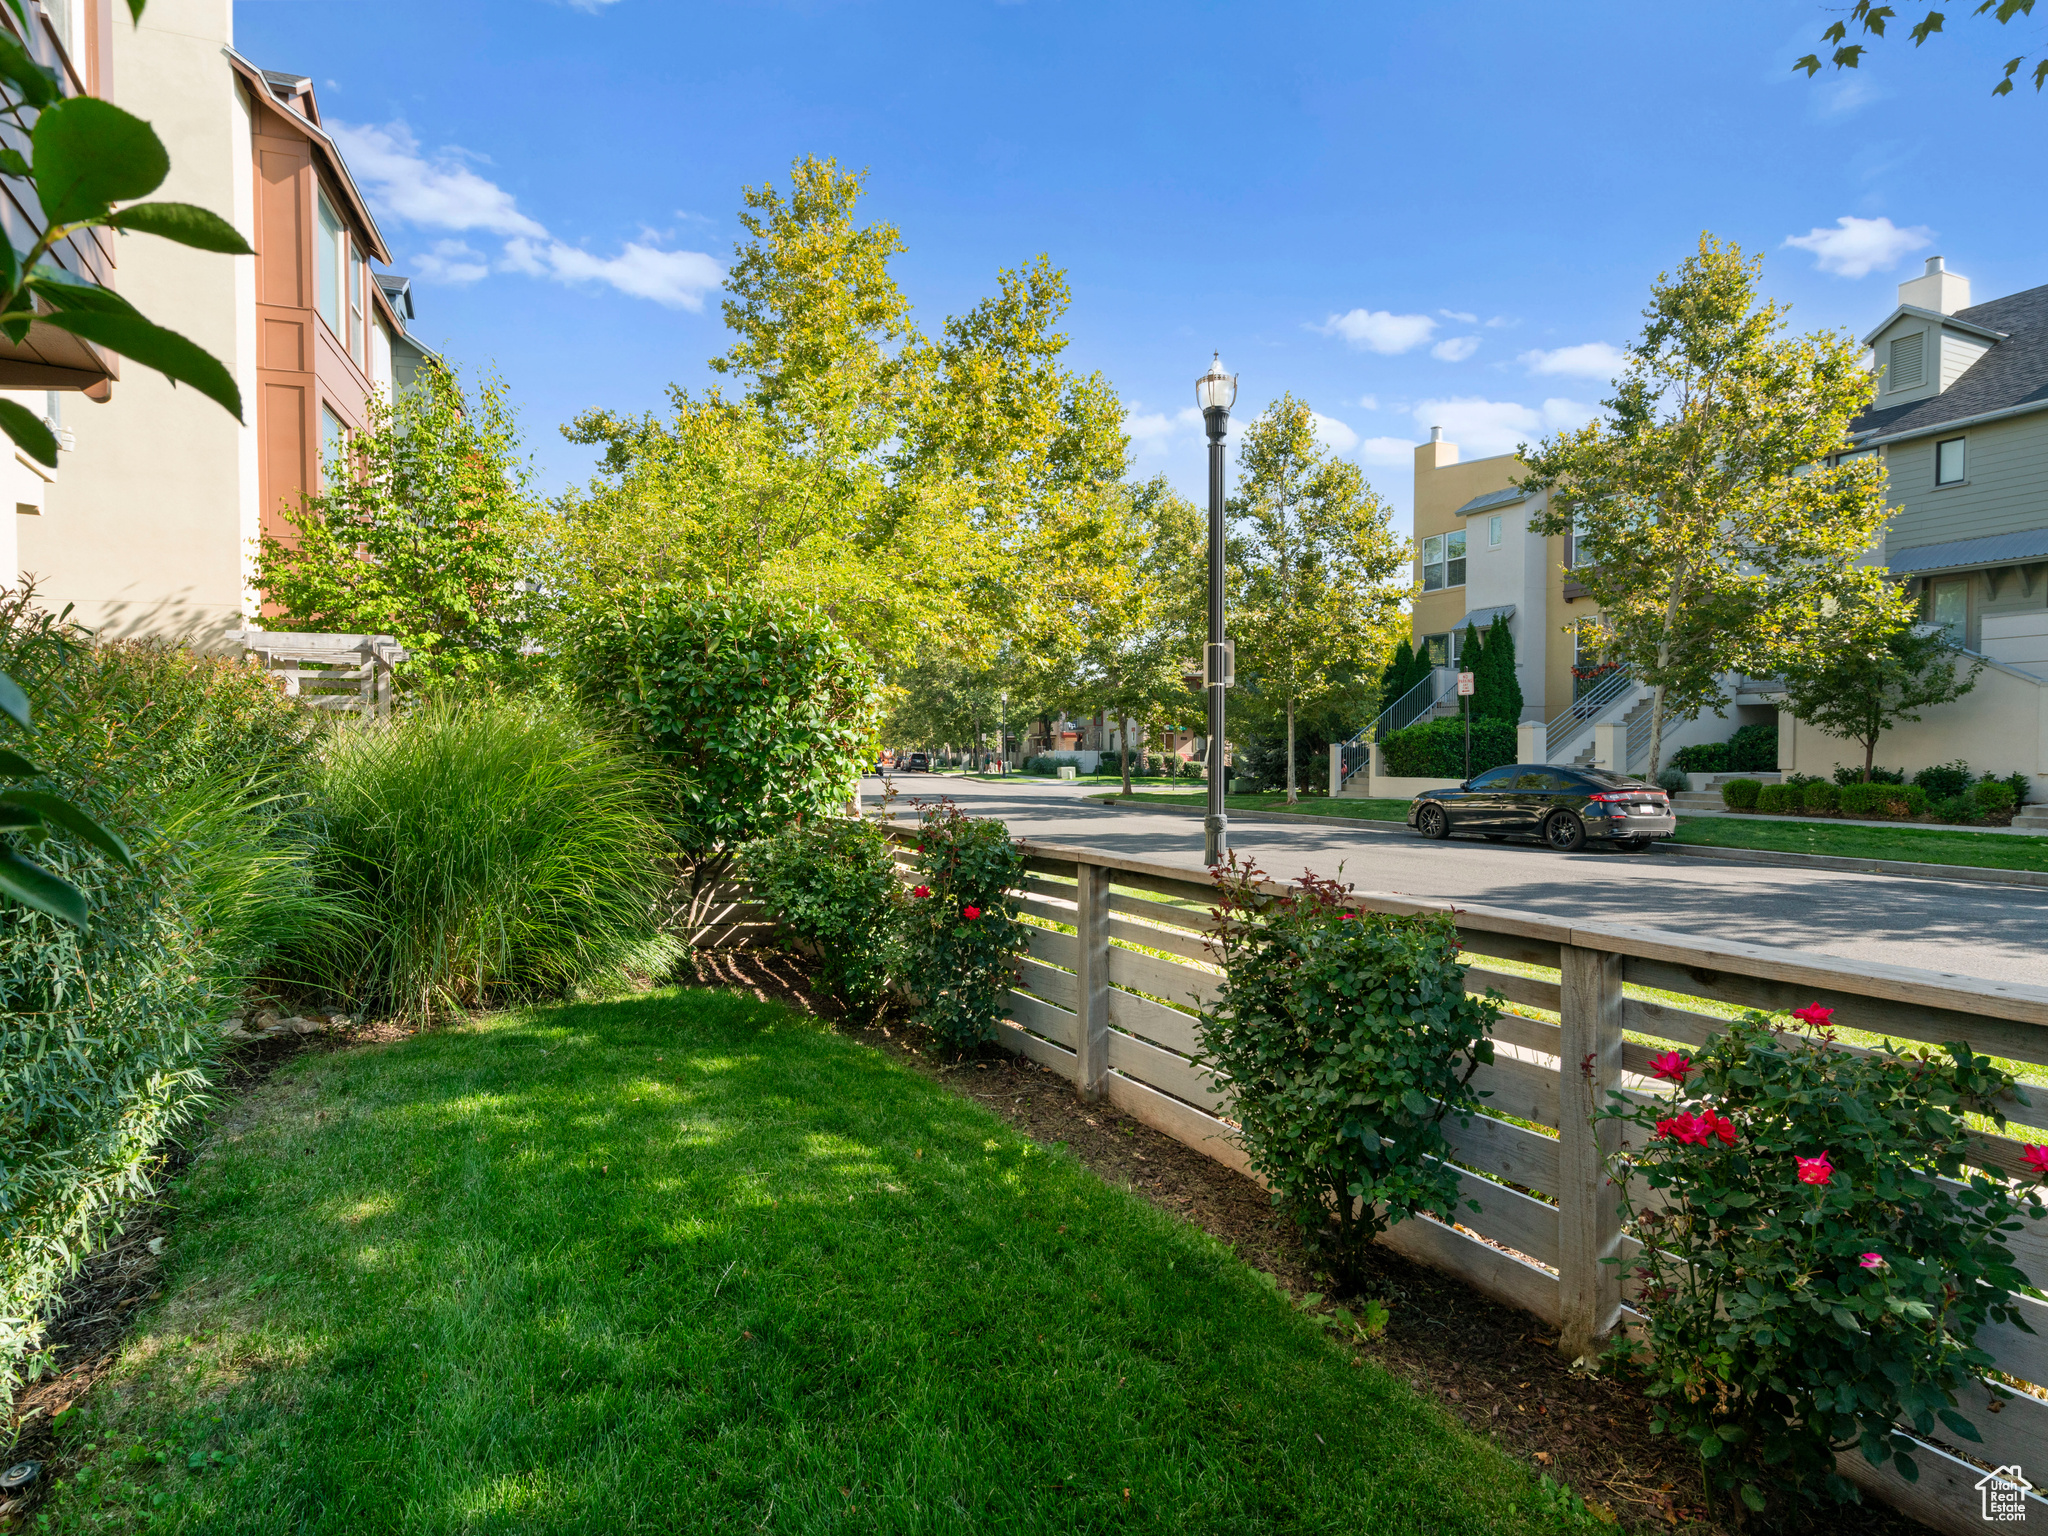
x=1564 y=807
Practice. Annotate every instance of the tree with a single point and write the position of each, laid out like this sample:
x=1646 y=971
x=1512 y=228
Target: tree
x=1317 y=557
x=420 y=534
x=1858 y=692
x=1873 y=17
x=1713 y=527
x=1472 y=658
x=1496 y=691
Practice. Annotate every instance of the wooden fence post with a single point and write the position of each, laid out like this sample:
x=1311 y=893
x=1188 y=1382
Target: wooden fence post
x=1091 y=982
x=1589 y=1209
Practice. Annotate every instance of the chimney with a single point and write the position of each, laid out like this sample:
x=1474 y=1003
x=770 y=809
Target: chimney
x=1435 y=453
x=1937 y=289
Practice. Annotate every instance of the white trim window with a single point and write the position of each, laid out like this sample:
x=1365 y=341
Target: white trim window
x=1950 y=465
x=358 y=278
x=328 y=267
x=1948 y=605
x=1494 y=525
x=1443 y=561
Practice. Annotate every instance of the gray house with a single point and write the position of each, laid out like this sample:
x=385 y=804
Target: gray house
x=1961 y=418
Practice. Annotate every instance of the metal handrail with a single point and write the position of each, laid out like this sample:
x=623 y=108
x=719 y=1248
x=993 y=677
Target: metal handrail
x=1413 y=705
x=1583 y=710
x=1638 y=740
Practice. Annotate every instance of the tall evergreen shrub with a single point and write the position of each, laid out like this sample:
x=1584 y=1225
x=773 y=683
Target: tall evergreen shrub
x=1497 y=692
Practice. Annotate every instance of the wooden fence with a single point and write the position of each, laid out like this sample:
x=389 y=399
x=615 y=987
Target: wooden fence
x=348 y=674
x=1111 y=1006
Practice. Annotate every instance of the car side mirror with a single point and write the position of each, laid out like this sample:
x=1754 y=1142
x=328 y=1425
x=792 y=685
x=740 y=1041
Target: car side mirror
x=1464 y=786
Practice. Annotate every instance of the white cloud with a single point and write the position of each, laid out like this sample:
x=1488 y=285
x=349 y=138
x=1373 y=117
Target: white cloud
x=1333 y=434
x=1369 y=402
x=1378 y=331
x=1460 y=316
x=678 y=279
x=1858 y=247
x=1588 y=360
x=589 y=7
x=451 y=261
x=1455 y=349
x=1152 y=429
x=1844 y=96
x=440 y=191
x=1386 y=450
x=1482 y=427
x=1500 y=320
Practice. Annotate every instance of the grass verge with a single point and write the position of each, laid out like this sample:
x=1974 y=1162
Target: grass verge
x=690 y=1262
x=1916 y=845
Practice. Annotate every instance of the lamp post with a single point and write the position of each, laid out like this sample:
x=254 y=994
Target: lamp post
x=1216 y=392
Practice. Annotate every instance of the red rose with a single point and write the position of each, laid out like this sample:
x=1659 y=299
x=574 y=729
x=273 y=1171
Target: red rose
x=1814 y=1014
x=1815 y=1170
x=970 y=913
x=1671 y=1066
x=921 y=890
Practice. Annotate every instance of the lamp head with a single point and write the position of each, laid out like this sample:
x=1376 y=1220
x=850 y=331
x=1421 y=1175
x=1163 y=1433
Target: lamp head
x=1216 y=390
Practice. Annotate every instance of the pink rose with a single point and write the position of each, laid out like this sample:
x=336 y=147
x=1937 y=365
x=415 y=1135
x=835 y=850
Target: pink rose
x=1671 y=1066
x=2036 y=1158
x=1872 y=1261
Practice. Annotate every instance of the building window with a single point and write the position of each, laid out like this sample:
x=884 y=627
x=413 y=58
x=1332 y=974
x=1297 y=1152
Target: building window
x=356 y=276
x=1948 y=462
x=333 y=445
x=1443 y=561
x=1493 y=527
x=1438 y=648
x=1949 y=608
x=1908 y=368
x=327 y=275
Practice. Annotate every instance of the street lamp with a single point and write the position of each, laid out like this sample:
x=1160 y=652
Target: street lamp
x=1216 y=392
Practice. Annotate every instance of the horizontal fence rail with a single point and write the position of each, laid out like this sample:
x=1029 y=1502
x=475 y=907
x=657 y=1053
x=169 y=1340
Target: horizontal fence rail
x=1117 y=970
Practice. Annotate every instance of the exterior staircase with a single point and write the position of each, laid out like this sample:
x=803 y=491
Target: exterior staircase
x=2031 y=818
x=1694 y=801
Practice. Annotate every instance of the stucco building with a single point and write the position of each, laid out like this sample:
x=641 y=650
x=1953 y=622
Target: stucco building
x=151 y=522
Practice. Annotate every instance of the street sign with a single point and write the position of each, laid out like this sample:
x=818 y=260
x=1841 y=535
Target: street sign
x=1464 y=684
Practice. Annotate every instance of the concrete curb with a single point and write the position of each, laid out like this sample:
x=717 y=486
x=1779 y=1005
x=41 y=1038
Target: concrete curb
x=1832 y=863
x=1976 y=873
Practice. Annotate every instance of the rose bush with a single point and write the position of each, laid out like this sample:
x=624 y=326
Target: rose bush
x=962 y=927
x=1346 y=1039
x=1816 y=1258
x=830 y=882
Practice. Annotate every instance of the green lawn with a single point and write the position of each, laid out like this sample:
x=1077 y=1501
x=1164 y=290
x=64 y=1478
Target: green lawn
x=690 y=1263
x=1321 y=805
x=1919 y=845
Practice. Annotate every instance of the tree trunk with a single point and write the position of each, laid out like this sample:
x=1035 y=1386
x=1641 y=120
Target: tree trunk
x=1663 y=661
x=1869 y=757
x=1656 y=735
x=1290 y=749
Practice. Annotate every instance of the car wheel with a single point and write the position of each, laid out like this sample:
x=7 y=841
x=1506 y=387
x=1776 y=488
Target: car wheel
x=1565 y=832
x=1431 y=821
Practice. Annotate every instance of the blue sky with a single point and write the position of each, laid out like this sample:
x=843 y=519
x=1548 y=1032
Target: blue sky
x=1405 y=214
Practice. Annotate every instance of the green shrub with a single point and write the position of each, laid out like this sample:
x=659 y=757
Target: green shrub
x=1993 y=796
x=1741 y=794
x=1883 y=800
x=758 y=706
x=1754 y=749
x=2022 y=786
x=1436 y=749
x=1346 y=1038
x=1960 y=809
x=1853 y=774
x=1810 y=1283
x=1820 y=795
x=497 y=849
x=962 y=924
x=1706 y=757
x=1672 y=781
x=104 y=1035
x=1945 y=781
x=1777 y=797
x=831 y=883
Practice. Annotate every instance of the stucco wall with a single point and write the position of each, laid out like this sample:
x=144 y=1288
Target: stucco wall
x=2000 y=726
x=144 y=526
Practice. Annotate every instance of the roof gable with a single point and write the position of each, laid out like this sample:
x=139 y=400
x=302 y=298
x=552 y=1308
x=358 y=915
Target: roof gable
x=2011 y=375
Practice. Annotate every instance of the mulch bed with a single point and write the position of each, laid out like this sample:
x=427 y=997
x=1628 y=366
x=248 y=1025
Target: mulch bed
x=1493 y=1366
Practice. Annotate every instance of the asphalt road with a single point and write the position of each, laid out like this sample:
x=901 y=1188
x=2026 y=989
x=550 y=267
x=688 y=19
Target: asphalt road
x=1990 y=931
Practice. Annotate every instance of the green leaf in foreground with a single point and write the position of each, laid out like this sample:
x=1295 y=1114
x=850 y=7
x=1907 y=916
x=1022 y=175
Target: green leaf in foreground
x=30 y=432
x=58 y=811
x=179 y=360
x=186 y=223
x=33 y=886
x=89 y=154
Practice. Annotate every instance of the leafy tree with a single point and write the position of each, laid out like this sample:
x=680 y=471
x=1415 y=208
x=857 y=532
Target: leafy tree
x=420 y=534
x=1711 y=526
x=1872 y=19
x=1317 y=557
x=761 y=710
x=1860 y=691
x=1472 y=658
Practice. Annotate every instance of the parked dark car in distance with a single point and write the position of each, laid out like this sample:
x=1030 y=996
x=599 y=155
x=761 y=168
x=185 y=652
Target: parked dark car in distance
x=918 y=762
x=1565 y=808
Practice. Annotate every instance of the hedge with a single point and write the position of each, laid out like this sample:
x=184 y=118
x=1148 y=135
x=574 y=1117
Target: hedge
x=1740 y=794
x=1436 y=750
x=1821 y=796
x=1893 y=800
x=1777 y=797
